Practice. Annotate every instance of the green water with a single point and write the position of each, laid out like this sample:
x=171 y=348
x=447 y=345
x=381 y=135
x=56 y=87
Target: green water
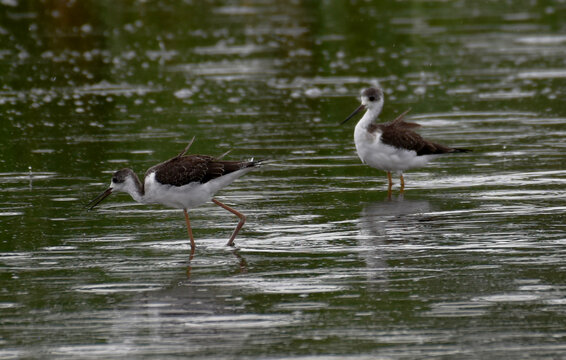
x=468 y=264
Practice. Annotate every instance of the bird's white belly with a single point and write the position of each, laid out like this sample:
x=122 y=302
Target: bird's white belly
x=179 y=197
x=187 y=196
x=385 y=157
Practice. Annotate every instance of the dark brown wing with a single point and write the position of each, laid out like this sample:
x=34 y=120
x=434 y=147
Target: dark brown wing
x=399 y=135
x=217 y=168
x=182 y=170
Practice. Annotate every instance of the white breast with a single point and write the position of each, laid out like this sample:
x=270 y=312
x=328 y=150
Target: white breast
x=180 y=197
x=385 y=157
x=187 y=196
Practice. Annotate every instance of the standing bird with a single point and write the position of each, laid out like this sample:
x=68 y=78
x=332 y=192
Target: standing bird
x=183 y=182
x=391 y=146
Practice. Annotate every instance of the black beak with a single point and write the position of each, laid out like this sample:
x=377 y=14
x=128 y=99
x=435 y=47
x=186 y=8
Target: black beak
x=99 y=199
x=360 y=108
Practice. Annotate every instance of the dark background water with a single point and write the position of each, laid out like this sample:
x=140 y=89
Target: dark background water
x=468 y=264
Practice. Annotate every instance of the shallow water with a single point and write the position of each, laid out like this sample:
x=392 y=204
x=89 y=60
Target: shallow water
x=469 y=263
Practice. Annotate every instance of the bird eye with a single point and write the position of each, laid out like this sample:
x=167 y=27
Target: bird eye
x=372 y=98
x=114 y=179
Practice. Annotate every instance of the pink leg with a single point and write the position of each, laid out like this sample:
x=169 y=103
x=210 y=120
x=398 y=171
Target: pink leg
x=190 y=231
x=238 y=214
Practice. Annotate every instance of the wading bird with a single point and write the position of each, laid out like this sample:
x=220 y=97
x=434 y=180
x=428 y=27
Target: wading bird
x=391 y=146
x=183 y=182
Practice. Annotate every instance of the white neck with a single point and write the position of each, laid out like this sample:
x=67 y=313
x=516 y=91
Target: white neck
x=370 y=116
x=133 y=187
x=136 y=195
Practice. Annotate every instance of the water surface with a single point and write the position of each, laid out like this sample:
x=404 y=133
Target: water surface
x=469 y=263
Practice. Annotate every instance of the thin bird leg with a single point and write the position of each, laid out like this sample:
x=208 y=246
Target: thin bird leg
x=238 y=214
x=402 y=184
x=190 y=231
x=390 y=185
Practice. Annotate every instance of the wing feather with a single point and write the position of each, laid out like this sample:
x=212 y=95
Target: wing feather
x=184 y=170
x=400 y=136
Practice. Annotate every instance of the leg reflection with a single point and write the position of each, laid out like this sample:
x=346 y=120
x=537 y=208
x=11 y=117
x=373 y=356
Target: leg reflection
x=242 y=263
x=189 y=267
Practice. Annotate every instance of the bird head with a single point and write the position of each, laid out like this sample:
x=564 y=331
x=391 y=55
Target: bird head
x=372 y=100
x=122 y=181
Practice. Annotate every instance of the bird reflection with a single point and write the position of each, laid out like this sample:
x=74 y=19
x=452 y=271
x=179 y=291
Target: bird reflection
x=190 y=267
x=393 y=217
x=242 y=263
x=383 y=222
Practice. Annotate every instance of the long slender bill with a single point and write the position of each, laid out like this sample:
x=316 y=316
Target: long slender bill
x=99 y=198
x=360 y=108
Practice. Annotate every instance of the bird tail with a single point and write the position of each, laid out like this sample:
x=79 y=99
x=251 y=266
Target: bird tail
x=258 y=163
